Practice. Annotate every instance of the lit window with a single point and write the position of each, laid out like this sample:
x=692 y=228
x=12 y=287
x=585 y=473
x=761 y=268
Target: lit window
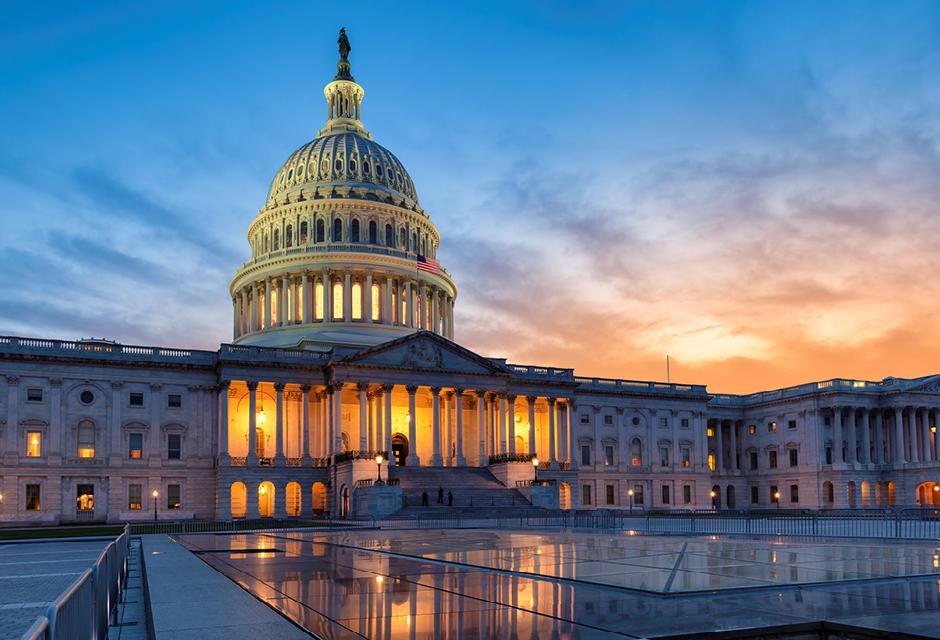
x=318 y=301
x=34 y=395
x=686 y=458
x=134 y=494
x=609 y=455
x=173 y=446
x=85 y=497
x=356 y=301
x=136 y=446
x=375 y=303
x=174 y=401
x=136 y=399
x=33 y=498
x=636 y=452
x=752 y=429
x=709 y=432
x=711 y=461
x=86 y=441
x=774 y=495
x=173 y=496
x=771 y=426
x=337 y=301
x=33 y=444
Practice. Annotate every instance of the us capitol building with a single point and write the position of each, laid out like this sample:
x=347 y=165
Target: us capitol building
x=343 y=349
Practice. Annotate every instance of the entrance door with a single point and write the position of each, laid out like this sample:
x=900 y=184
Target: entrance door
x=85 y=501
x=400 y=449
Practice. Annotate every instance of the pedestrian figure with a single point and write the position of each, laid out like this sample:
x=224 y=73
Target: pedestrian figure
x=450 y=499
x=424 y=498
x=440 y=495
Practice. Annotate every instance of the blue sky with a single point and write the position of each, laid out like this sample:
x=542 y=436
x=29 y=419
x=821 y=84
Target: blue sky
x=749 y=186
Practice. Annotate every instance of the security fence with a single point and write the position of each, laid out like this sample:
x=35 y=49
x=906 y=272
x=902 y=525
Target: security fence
x=84 y=610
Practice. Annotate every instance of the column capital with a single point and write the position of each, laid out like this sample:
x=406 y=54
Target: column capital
x=57 y=382
x=387 y=388
x=511 y=397
x=115 y=384
x=436 y=391
x=362 y=386
x=481 y=393
x=305 y=388
x=251 y=384
x=411 y=388
x=459 y=392
x=224 y=384
x=156 y=387
x=279 y=387
x=551 y=401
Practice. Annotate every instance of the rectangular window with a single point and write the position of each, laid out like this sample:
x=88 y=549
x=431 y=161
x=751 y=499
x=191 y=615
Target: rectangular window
x=134 y=497
x=33 y=444
x=755 y=494
x=794 y=457
x=774 y=494
x=585 y=455
x=136 y=399
x=610 y=494
x=136 y=446
x=684 y=423
x=608 y=420
x=585 y=418
x=33 y=498
x=711 y=461
x=86 y=441
x=753 y=456
x=665 y=494
x=664 y=456
x=34 y=395
x=771 y=426
x=638 y=494
x=686 y=458
x=174 y=400
x=752 y=429
x=687 y=494
x=828 y=455
x=586 y=494
x=709 y=433
x=664 y=422
x=173 y=496
x=85 y=497
x=794 y=493
x=609 y=455
x=173 y=446
x=772 y=459
x=791 y=424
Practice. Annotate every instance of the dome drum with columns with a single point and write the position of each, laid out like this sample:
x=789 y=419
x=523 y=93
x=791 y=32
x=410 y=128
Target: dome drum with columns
x=336 y=248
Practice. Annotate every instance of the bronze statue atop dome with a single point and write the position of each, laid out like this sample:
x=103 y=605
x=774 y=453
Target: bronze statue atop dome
x=343 y=43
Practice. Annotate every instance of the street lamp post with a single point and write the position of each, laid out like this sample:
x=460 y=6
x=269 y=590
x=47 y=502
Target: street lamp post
x=535 y=464
x=630 y=493
x=777 y=499
x=378 y=464
x=712 y=494
x=155 y=494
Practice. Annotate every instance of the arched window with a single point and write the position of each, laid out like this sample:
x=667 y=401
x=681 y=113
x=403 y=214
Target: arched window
x=403 y=241
x=238 y=503
x=318 y=301
x=373 y=232
x=337 y=230
x=289 y=236
x=86 y=439
x=356 y=301
x=375 y=302
x=389 y=236
x=266 y=499
x=337 y=301
x=414 y=242
x=265 y=243
x=292 y=496
x=277 y=239
x=303 y=233
x=636 y=452
x=354 y=231
x=424 y=246
x=319 y=237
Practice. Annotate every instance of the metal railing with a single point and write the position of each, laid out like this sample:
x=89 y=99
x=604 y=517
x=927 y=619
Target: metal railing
x=83 y=611
x=510 y=457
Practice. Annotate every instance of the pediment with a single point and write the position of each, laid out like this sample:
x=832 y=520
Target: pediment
x=927 y=385
x=425 y=351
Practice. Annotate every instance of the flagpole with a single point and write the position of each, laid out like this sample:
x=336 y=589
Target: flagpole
x=668 y=378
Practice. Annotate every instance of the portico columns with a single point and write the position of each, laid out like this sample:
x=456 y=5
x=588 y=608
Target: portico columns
x=413 y=459
x=336 y=418
x=851 y=445
x=551 y=432
x=282 y=302
x=267 y=302
x=925 y=436
x=461 y=461
x=252 y=422
x=733 y=425
x=531 y=401
x=347 y=297
x=837 y=435
x=719 y=452
x=223 y=419
x=897 y=454
x=436 y=459
x=363 y=415
x=305 y=298
x=481 y=426
x=327 y=297
x=387 y=397
x=367 y=300
x=509 y=424
x=305 y=425
x=865 y=458
x=279 y=423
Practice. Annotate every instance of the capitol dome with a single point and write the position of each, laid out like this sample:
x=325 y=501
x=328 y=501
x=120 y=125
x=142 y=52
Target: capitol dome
x=342 y=254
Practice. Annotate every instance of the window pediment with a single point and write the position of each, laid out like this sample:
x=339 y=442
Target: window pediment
x=173 y=427
x=135 y=426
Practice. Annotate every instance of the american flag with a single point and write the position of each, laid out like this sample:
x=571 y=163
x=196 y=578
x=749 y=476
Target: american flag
x=428 y=264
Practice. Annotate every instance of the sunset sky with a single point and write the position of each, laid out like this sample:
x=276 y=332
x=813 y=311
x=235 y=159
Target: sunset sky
x=751 y=187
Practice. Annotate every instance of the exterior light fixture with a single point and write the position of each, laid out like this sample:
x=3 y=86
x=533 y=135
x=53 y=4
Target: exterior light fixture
x=155 y=495
x=630 y=493
x=379 y=459
x=777 y=499
x=535 y=465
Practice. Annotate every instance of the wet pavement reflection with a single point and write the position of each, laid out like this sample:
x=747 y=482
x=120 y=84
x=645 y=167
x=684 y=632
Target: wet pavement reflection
x=560 y=584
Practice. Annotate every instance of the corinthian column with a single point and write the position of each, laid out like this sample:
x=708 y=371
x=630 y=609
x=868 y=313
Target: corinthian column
x=413 y=459
x=551 y=431
x=363 y=415
x=279 y=423
x=461 y=460
x=252 y=422
x=436 y=459
x=481 y=426
x=305 y=425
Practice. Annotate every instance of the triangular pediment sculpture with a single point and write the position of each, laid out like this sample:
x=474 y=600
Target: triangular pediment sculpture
x=423 y=350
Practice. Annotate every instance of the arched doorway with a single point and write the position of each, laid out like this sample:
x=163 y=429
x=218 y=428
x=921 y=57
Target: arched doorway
x=292 y=495
x=318 y=498
x=716 y=497
x=866 y=494
x=520 y=445
x=928 y=494
x=239 y=500
x=259 y=442
x=266 y=500
x=564 y=495
x=850 y=489
x=892 y=497
x=400 y=449
x=829 y=494
x=344 y=501
x=729 y=496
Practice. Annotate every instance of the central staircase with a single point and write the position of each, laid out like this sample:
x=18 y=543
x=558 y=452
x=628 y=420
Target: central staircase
x=476 y=493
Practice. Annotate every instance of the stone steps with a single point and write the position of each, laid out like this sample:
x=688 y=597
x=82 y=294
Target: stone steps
x=472 y=488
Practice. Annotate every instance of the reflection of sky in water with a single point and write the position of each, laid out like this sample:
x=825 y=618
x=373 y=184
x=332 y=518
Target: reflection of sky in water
x=570 y=585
